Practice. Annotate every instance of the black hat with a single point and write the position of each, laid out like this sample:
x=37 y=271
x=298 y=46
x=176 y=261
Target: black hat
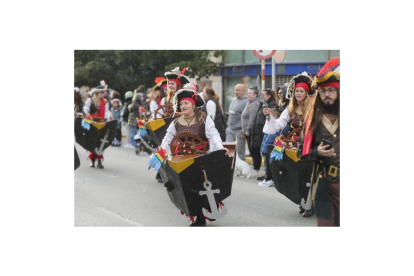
x=161 y=82
x=178 y=77
x=301 y=78
x=187 y=92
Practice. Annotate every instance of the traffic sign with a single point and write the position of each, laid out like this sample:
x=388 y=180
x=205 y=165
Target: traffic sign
x=264 y=54
x=280 y=55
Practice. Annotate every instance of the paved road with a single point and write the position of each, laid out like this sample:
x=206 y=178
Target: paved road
x=125 y=193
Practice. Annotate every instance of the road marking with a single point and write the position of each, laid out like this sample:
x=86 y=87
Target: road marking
x=119 y=216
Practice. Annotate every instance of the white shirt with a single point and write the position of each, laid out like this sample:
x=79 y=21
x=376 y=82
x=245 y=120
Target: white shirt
x=87 y=108
x=153 y=107
x=211 y=109
x=280 y=123
x=211 y=132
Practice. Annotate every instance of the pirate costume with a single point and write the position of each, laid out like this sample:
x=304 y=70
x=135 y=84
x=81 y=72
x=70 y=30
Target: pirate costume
x=179 y=78
x=203 y=128
x=99 y=113
x=298 y=189
x=326 y=176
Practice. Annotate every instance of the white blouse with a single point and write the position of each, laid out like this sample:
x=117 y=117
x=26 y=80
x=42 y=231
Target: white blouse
x=211 y=132
x=211 y=109
x=153 y=107
x=87 y=108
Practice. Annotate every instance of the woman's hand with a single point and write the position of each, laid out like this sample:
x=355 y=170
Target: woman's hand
x=227 y=151
x=322 y=151
x=247 y=134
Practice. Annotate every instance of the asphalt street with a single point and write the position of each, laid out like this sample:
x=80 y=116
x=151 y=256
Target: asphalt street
x=125 y=193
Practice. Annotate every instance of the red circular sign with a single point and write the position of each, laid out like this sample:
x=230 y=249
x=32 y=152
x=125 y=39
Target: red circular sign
x=264 y=54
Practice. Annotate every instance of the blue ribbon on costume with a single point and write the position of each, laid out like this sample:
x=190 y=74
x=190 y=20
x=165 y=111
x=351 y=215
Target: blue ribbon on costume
x=157 y=158
x=86 y=123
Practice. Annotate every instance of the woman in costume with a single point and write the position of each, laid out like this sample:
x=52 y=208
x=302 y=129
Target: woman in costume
x=175 y=82
x=97 y=106
x=188 y=102
x=160 y=92
x=299 y=91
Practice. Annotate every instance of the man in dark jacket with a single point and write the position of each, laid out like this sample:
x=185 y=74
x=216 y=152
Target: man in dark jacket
x=125 y=117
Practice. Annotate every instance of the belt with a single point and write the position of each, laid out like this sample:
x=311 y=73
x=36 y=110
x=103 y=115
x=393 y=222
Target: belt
x=333 y=171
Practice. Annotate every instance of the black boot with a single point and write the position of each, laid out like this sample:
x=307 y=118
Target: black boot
x=92 y=163
x=100 y=164
x=200 y=221
x=307 y=213
x=158 y=177
x=301 y=210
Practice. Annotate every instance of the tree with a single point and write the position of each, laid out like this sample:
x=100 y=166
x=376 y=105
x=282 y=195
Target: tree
x=125 y=70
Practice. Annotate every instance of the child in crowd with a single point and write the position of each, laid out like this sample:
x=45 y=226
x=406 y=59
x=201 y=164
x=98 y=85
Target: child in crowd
x=268 y=139
x=116 y=114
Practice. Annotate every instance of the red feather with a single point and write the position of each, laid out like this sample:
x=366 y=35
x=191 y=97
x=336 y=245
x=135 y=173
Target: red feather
x=159 y=79
x=330 y=66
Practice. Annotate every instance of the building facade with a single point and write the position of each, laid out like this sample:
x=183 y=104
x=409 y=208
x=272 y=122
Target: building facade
x=242 y=66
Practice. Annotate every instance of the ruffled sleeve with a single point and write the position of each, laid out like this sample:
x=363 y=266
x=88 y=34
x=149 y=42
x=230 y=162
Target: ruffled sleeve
x=171 y=132
x=213 y=135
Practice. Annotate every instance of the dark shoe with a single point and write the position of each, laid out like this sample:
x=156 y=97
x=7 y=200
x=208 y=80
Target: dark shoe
x=199 y=222
x=100 y=164
x=261 y=177
x=159 y=180
x=301 y=210
x=307 y=213
x=92 y=164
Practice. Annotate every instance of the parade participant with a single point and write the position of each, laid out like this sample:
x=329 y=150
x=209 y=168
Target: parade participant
x=176 y=80
x=160 y=92
x=294 y=116
x=234 y=128
x=188 y=102
x=213 y=109
x=78 y=103
x=298 y=92
x=321 y=144
x=248 y=118
x=97 y=107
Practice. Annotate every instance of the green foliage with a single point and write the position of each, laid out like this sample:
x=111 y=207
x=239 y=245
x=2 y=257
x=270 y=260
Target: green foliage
x=125 y=70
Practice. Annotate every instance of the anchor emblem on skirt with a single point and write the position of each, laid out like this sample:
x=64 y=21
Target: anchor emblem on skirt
x=215 y=213
x=104 y=141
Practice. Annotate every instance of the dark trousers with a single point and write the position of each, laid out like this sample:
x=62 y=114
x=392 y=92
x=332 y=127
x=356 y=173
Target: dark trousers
x=255 y=153
x=268 y=175
x=118 y=134
x=333 y=192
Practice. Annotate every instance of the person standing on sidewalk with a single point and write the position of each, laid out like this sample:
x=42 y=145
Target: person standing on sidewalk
x=248 y=120
x=116 y=114
x=321 y=144
x=213 y=109
x=234 y=127
x=125 y=116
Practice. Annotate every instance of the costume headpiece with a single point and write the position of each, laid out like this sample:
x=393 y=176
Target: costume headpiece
x=188 y=93
x=161 y=83
x=178 y=77
x=329 y=75
x=302 y=80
